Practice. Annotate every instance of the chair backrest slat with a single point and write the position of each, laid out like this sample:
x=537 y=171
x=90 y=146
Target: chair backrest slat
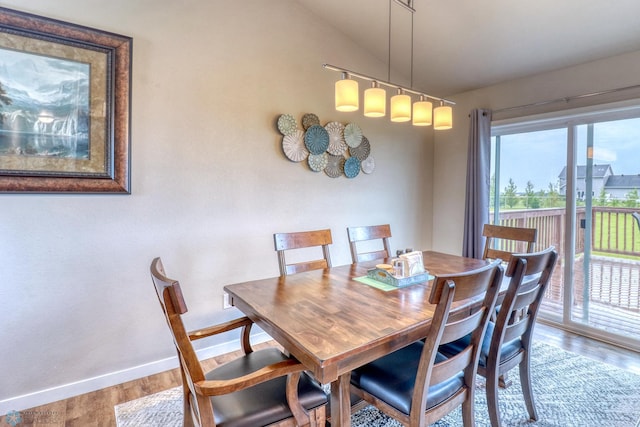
x=511 y=240
x=367 y=233
x=300 y=240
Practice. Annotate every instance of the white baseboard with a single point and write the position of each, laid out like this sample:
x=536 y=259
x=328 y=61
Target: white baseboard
x=42 y=397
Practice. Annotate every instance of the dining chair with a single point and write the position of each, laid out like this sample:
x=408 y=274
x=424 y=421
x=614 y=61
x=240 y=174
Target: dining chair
x=508 y=240
x=258 y=388
x=418 y=386
x=369 y=233
x=636 y=216
x=508 y=340
x=300 y=240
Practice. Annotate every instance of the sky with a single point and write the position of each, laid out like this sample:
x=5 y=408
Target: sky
x=540 y=156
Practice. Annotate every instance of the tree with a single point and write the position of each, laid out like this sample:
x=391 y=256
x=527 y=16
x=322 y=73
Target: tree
x=510 y=195
x=536 y=201
x=602 y=197
x=631 y=200
x=553 y=197
x=529 y=195
x=4 y=100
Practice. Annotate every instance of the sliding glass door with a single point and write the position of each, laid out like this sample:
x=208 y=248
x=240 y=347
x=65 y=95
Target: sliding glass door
x=576 y=179
x=526 y=192
x=605 y=295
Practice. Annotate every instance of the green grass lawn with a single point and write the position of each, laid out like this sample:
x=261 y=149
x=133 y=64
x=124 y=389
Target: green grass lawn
x=616 y=232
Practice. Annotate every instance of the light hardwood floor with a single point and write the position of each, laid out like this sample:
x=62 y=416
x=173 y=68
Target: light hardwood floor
x=97 y=408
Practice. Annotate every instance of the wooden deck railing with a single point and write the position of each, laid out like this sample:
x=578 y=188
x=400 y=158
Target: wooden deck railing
x=614 y=230
x=614 y=233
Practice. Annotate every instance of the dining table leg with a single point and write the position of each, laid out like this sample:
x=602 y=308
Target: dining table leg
x=341 y=401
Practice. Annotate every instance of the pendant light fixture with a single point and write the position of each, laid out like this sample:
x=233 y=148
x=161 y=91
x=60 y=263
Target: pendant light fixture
x=421 y=113
x=442 y=117
x=347 y=94
x=375 y=101
x=400 y=107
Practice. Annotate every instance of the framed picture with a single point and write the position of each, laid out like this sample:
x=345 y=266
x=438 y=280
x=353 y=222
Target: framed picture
x=65 y=107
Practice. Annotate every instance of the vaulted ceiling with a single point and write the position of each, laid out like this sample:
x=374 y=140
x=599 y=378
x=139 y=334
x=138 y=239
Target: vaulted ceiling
x=460 y=45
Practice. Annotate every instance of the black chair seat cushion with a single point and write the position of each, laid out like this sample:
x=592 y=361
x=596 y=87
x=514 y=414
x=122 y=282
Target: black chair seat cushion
x=264 y=403
x=392 y=379
x=507 y=351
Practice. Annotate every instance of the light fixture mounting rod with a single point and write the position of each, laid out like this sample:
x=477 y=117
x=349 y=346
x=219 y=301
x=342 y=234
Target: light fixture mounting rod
x=408 y=5
x=382 y=82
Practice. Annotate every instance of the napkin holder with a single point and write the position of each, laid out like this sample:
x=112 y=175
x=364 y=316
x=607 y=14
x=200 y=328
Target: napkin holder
x=415 y=263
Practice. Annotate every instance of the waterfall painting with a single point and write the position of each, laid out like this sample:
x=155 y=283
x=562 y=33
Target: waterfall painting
x=64 y=106
x=44 y=108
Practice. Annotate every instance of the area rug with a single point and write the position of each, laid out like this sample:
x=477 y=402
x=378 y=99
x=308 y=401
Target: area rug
x=570 y=391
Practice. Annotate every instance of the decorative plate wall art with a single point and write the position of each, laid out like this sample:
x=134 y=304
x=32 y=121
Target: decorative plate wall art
x=368 y=165
x=316 y=139
x=286 y=124
x=362 y=151
x=337 y=144
x=353 y=135
x=309 y=120
x=337 y=149
x=317 y=162
x=335 y=166
x=351 y=167
x=293 y=146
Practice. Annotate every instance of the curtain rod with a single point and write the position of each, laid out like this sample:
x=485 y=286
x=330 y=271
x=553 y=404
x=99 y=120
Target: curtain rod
x=565 y=99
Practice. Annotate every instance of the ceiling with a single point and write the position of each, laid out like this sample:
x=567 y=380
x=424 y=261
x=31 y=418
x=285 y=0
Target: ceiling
x=460 y=45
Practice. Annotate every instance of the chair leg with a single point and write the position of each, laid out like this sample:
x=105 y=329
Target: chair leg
x=527 y=390
x=493 y=382
x=187 y=412
x=504 y=381
x=468 y=418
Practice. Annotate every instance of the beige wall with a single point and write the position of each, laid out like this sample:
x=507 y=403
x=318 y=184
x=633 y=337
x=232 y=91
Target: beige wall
x=210 y=186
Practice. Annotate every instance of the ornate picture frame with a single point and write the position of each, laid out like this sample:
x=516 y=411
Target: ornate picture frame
x=65 y=107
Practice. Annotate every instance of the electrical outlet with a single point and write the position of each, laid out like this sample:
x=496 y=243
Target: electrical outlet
x=226 y=303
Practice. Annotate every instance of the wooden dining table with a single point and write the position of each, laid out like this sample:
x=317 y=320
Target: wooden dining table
x=333 y=323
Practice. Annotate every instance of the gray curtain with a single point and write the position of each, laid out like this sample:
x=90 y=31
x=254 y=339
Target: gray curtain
x=476 y=212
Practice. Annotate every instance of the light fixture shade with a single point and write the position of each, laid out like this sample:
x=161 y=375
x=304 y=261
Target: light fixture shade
x=347 y=95
x=422 y=113
x=443 y=117
x=375 y=101
x=400 y=107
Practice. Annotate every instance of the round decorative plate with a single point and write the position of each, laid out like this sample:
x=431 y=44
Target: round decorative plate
x=362 y=151
x=335 y=166
x=337 y=144
x=318 y=162
x=293 y=146
x=351 y=167
x=316 y=139
x=286 y=124
x=352 y=134
x=368 y=165
x=309 y=120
